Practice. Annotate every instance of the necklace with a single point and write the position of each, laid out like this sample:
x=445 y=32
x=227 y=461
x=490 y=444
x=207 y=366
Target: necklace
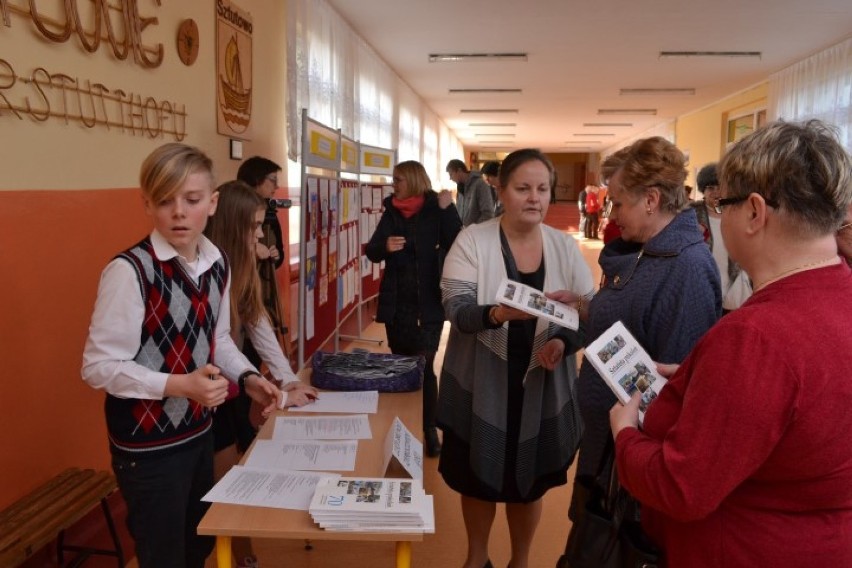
x=810 y=266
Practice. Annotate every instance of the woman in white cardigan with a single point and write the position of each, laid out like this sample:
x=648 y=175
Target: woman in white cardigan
x=507 y=402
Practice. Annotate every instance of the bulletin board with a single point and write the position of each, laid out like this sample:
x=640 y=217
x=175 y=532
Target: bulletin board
x=349 y=250
x=335 y=231
x=374 y=161
x=372 y=195
x=320 y=264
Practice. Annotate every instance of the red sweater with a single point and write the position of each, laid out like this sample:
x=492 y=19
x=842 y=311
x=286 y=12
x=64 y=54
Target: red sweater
x=746 y=459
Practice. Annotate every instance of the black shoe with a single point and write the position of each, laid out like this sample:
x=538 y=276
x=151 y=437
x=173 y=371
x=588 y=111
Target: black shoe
x=432 y=443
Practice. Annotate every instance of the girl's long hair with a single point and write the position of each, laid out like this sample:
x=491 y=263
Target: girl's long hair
x=229 y=229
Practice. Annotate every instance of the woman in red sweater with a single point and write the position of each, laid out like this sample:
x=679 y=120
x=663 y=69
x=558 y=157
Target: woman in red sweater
x=745 y=458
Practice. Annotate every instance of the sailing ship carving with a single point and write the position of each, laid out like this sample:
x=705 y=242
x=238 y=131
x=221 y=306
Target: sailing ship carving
x=235 y=99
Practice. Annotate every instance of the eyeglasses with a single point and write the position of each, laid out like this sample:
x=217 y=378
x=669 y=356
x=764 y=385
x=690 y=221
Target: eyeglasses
x=273 y=179
x=843 y=227
x=734 y=200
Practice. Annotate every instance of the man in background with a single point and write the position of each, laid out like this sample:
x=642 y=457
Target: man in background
x=474 y=203
x=491 y=173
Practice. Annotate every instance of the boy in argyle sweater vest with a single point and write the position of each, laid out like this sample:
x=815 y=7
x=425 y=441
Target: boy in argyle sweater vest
x=159 y=348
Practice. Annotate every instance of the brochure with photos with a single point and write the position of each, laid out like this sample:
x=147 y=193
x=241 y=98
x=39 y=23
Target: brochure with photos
x=384 y=500
x=532 y=301
x=625 y=366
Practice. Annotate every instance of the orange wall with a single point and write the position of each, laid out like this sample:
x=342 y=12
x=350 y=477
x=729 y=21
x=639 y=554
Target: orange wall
x=53 y=246
x=62 y=218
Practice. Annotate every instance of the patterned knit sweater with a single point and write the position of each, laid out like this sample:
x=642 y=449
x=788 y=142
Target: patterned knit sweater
x=177 y=336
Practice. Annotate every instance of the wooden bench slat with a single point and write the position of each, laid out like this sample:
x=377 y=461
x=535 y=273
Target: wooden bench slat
x=36 y=519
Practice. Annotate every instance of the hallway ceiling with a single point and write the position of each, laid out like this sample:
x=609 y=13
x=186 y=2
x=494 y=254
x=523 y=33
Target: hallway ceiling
x=581 y=54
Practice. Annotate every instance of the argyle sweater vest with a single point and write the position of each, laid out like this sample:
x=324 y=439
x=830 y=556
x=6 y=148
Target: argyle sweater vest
x=177 y=336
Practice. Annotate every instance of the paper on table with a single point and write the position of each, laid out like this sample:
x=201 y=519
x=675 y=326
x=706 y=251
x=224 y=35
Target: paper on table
x=355 y=427
x=263 y=488
x=355 y=402
x=303 y=455
x=402 y=446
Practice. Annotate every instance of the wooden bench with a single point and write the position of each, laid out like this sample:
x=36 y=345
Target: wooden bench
x=34 y=521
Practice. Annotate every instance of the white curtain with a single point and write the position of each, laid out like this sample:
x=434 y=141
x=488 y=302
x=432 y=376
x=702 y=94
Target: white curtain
x=321 y=62
x=430 y=147
x=408 y=145
x=344 y=84
x=374 y=99
x=817 y=87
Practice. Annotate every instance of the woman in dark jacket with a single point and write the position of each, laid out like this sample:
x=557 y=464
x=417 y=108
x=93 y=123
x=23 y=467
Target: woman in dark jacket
x=416 y=230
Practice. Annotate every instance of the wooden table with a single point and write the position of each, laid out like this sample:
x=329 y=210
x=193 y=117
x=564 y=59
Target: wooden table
x=225 y=521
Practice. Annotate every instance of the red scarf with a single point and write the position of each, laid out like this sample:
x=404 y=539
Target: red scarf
x=409 y=206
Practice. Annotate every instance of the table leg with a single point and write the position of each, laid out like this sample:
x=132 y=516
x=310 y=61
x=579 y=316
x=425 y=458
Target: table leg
x=223 y=552
x=403 y=554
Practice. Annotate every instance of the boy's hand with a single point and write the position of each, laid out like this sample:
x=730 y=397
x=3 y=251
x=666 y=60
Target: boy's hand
x=264 y=393
x=299 y=394
x=204 y=385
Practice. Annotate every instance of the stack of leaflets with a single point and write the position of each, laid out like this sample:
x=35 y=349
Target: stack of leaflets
x=366 y=504
x=532 y=301
x=625 y=366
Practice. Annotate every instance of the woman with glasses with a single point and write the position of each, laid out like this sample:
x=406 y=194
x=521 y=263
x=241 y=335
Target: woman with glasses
x=659 y=279
x=415 y=231
x=745 y=458
x=736 y=286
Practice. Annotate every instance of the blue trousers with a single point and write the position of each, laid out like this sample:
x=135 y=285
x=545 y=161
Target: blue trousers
x=164 y=507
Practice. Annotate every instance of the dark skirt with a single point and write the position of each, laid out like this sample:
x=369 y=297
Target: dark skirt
x=454 y=464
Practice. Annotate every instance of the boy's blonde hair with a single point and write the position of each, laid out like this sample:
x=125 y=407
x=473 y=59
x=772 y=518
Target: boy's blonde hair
x=165 y=170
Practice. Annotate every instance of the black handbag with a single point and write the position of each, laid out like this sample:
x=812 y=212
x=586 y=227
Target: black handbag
x=600 y=535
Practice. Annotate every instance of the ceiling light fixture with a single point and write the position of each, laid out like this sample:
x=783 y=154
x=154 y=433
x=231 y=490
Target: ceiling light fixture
x=477 y=124
x=598 y=124
x=467 y=57
x=598 y=134
x=583 y=143
x=497 y=135
x=655 y=91
x=756 y=54
x=486 y=91
x=489 y=111
x=644 y=111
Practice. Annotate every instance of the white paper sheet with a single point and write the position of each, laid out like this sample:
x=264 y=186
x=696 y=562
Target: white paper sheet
x=360 y=402
x=263 y=488
x=355 y=427
x=303 y=455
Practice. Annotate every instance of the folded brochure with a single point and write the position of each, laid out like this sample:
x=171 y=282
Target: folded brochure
x=528 y=299
x=625 y=366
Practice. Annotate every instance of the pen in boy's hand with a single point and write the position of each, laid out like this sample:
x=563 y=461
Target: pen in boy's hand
x=213 y=378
